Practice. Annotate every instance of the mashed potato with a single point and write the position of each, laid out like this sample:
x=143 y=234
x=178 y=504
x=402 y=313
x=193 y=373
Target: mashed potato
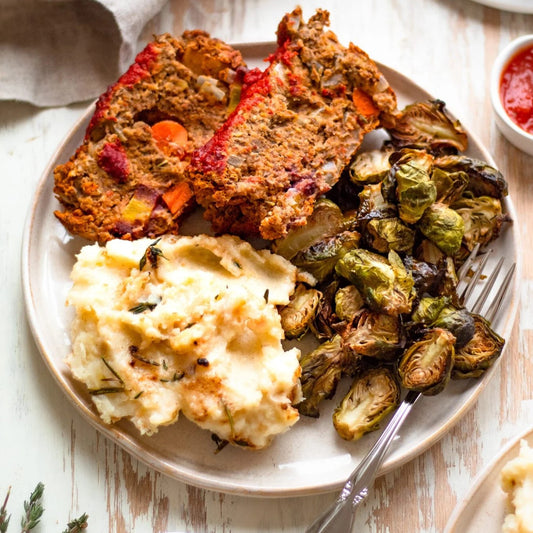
x=194 y=330
x=517 y=481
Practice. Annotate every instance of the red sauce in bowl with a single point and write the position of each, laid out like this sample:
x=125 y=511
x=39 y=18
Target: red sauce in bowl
x=516 y=89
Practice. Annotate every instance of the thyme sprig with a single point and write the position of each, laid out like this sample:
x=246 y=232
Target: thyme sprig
x=152 y=254
x=33 y=511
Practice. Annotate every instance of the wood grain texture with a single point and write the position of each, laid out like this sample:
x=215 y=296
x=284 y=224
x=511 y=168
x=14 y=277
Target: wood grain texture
x=447 y=47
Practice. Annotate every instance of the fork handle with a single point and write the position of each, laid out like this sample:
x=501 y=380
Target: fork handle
x=338 y=518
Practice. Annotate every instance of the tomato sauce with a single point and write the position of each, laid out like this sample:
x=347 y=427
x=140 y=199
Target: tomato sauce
x=516 y=89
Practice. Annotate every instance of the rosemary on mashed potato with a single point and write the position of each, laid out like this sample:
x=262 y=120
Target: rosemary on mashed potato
x=186 y=324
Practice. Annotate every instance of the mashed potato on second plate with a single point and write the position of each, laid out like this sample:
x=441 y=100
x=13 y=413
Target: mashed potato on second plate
x=517 y=481
x=186 y=324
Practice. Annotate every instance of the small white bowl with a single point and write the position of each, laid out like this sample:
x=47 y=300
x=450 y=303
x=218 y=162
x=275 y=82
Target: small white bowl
x=516 y=135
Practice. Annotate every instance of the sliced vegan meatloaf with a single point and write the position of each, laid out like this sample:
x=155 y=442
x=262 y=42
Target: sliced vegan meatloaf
x=126 y=179
x=297 y=126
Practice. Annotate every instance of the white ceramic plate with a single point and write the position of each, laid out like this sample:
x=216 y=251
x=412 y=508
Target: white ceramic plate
x=518 y=6
x=484 y=507
x=310 y=458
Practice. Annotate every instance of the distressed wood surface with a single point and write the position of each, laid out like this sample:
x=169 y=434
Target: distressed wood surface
x=447 y=47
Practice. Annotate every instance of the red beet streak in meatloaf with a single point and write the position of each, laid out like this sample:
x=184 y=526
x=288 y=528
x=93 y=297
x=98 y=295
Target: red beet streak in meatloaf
x=294 y=130
x=122 y=181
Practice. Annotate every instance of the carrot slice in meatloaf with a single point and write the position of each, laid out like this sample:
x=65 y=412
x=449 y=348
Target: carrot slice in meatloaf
x=126 y=179
x=297 y=126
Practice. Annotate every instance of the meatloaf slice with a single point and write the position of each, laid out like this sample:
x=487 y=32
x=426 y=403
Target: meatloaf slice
x=124 y=180
x=296 y=127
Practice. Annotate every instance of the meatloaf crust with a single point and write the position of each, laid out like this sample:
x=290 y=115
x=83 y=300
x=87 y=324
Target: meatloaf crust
x=297 y=126
x=115 y=183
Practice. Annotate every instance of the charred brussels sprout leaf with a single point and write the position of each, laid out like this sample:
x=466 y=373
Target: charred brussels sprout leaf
x=372 y=204
x=385 y=285
x=427 y=364
x=444 y=227
x=449 y=185
x=387 y=234
x=321 y=370
x=373 y=395
x=323 y=326
x=370 y=166
x=299 y=313
x=348 y=301
x=414 y=189
x=320 y=258
x=459 y=322
x=483 y=180
x=326 y=221
x=375 y=335
x=428 y=125
x=479 y=354
x=483 y=219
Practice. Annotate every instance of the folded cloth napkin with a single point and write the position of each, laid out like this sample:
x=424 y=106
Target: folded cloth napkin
x=55 y=52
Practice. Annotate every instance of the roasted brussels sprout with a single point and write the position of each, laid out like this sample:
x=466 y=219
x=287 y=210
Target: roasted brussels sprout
x=373 y=395
x=375 y=335
x=480 y=353
x=386 y=285
x=320 y=258
x=449 y=185
x=385 y=234
x=348 y=301
x=299 y=313
x=321 y=370
x=428 y=125
x=429 y=308
x=414 y=189
x=326 y=220
x=372 y=204
x=427 y=364
x=483 y=180
x=323 y=326
x=444 y=227
x=370 y=166
x=483 y=219
x=459 y=322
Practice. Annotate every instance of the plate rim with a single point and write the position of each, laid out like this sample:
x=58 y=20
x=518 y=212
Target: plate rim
x=185 y=473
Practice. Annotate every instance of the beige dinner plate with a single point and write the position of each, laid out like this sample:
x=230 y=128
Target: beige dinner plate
x=517 y=6
x=311 y=457
x=485 y=506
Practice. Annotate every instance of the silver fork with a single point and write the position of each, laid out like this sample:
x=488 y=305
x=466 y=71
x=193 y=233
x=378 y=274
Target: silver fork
x=339 y=517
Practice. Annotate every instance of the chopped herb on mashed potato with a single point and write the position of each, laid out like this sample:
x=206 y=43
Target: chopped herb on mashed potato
x=517 y=482
x=186 y=324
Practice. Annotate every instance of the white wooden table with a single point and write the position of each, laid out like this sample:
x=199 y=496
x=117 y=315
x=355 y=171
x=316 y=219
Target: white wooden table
x=447 y=47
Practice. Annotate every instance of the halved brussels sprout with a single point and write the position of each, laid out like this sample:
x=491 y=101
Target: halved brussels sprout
x=386 y=285
x=414 y=189
x=385 y=234
x=321 y=370
x=483 y=180
x=370 y=166
x=375 y=335
x=373 y=395
x=325 y=221
x=483 y=219
x=372 y=204
x=480 y=353
x=444 y=227
x=320 y=258
x=427 y=364
x=428 y=125
x=459 y=322
x=429 y=309
x=299 y=313
x=348 y=301
x=450 y=185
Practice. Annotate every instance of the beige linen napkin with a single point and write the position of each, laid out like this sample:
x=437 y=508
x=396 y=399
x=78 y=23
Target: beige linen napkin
x=55 y=52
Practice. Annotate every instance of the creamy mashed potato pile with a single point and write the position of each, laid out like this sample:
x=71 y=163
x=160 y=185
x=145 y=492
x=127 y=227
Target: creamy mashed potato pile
x=517 y=482
x=194 y=330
